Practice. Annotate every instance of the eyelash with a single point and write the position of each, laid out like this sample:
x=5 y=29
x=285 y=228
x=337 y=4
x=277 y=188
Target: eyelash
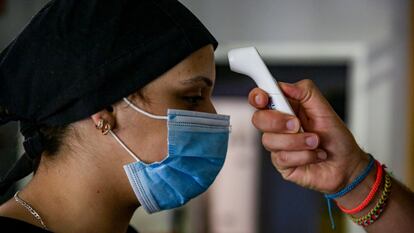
x=193 y=100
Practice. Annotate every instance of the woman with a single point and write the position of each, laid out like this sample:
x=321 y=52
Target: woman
x=94 y=85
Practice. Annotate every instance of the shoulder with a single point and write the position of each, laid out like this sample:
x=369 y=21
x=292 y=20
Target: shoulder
x=11 y=225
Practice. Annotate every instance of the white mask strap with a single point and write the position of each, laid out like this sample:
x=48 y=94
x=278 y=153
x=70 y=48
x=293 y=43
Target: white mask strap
x=158 y=117
x=124 y=146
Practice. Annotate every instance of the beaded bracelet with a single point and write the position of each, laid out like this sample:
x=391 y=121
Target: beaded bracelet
x=371 y=194
x=375 y=212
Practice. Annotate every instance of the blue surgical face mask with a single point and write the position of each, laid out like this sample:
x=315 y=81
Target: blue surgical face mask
x=197 y=147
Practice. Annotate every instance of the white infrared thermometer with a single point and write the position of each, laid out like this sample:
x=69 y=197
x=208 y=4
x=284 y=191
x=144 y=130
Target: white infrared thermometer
x=247 y=61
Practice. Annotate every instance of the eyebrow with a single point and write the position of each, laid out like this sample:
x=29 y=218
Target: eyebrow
x=197 y=79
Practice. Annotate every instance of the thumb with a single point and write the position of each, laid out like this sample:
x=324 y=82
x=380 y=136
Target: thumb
x=309 y=97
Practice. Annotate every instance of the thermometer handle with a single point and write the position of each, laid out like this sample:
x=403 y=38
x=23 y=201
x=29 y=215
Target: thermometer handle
x=247 y=61
x=279 y=102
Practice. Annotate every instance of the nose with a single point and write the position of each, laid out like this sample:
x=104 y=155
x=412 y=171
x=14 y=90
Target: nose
x=211 y=108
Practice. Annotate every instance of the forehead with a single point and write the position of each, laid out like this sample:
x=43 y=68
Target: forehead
x=201 y=60
x=198 y=64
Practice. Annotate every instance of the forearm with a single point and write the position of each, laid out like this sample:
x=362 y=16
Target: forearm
x=398 y=214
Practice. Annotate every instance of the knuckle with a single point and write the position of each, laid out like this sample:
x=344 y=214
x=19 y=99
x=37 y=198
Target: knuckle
x=276 y=121
x=308 y=83
x=309 y=156
x=257 y=119
x=285 y=174
x=291 y=143
x=308 y=88
x=280 y=166
x=266 y=141
x=274 y=124
x=279 y=158
x=276 y=159
x=283 y=157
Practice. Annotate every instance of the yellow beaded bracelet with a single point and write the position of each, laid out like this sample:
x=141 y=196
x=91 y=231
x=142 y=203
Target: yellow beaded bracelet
x=375 y=212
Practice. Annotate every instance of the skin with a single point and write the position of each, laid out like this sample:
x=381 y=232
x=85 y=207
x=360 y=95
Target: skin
x=83 y=188
x=326 y=156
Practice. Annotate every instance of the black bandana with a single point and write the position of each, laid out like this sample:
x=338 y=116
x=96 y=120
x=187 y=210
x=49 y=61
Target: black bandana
x=76 y=57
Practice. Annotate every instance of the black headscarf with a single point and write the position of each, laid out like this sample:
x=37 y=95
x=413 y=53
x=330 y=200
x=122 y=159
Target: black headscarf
x=76 y=57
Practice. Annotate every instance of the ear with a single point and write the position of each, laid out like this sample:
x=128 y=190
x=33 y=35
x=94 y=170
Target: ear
x=106 y=114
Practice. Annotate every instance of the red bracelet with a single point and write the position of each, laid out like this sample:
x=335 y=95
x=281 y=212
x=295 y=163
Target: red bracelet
x=371 y=194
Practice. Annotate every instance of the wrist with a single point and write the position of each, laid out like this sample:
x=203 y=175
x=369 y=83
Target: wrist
x=360 y=192
x=361 y=161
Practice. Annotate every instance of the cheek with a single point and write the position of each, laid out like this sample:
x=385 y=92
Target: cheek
x=150 y=140
x=157 y=143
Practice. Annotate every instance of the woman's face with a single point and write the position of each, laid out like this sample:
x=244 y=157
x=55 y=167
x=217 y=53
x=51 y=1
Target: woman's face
x=187 y=86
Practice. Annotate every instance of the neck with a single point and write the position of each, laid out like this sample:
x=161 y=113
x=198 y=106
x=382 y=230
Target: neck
x=70 y=199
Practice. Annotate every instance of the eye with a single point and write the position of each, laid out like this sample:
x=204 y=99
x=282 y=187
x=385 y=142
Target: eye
x=193 y=100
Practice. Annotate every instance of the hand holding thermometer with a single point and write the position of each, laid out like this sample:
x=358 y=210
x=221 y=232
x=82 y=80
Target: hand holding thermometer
x=247 y=61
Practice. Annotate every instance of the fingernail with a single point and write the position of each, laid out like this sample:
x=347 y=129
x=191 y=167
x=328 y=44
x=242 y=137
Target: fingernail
x=311 y=141
x=291 y=124
x=258 y=99
x=322 y=155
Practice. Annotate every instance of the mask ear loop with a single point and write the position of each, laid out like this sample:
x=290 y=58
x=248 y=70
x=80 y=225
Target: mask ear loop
x=158 y=117
x=106 y=128
x=109 y=130
x=124 y=146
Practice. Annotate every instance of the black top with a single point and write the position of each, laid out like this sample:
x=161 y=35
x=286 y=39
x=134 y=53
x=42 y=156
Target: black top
x=10 y=225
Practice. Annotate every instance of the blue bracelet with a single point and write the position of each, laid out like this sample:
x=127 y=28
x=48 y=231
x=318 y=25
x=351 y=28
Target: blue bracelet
x=348 y=188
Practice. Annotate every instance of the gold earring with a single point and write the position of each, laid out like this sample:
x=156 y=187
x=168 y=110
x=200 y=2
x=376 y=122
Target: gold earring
x=104 y=126
x=100 y=124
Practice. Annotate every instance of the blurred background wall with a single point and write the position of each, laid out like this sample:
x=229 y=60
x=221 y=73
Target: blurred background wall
x=380 y=26
x=410 y=146
x=370 y=37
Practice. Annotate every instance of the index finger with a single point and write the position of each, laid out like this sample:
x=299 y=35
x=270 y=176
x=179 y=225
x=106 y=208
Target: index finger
x=258 y=98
